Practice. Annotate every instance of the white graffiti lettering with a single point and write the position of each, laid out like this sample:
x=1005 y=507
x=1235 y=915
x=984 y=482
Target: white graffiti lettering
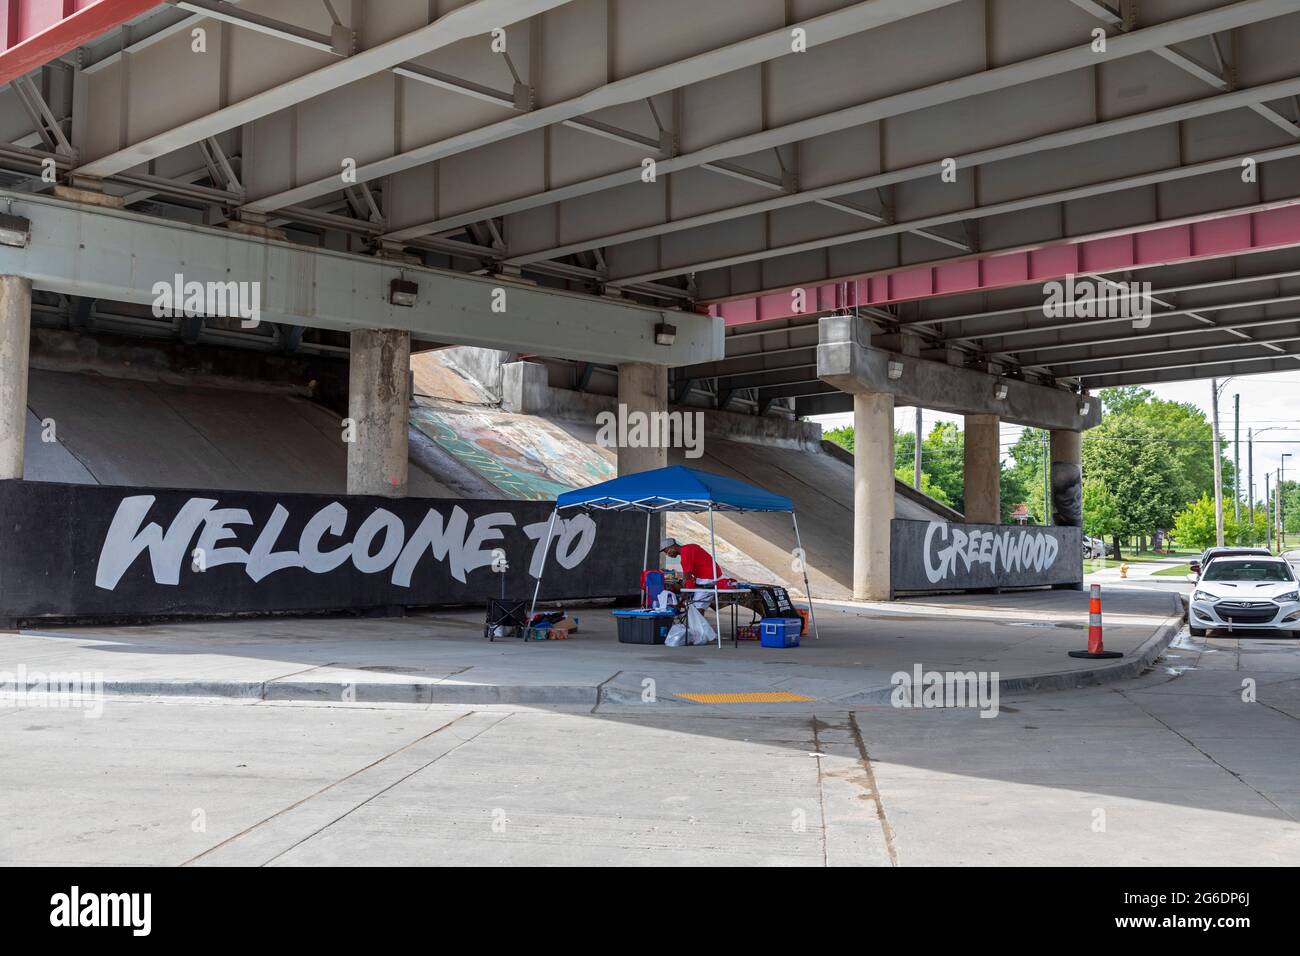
x=947 y=554
x=378 y=544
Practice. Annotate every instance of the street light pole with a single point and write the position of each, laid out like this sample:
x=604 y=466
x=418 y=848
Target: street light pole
x=1047 y=482
x=1218 y=465
x=1268 y=514
x=1281 y=502
x=916 y=452
x=1250 y=479
x=1236 y=460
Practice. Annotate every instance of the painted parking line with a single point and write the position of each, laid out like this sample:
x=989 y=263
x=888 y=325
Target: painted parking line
x=756 y=697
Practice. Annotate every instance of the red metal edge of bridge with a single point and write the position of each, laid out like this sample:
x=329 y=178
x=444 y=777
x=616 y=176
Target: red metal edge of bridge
x=1270 y=226
x=38 y=31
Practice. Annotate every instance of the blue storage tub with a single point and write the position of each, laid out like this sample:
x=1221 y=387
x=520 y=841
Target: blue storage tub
x=780 y=631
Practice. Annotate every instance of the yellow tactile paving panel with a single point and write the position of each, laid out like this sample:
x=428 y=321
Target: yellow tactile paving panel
x=757 y=697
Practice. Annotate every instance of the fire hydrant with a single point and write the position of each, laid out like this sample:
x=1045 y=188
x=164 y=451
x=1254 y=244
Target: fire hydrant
x=1123 y=570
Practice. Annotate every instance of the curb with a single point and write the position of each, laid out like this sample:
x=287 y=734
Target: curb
x=1130 y=667
x=333 y=692
x=598 y=694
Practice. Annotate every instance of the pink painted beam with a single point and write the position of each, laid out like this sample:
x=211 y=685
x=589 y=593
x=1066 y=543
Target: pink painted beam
x=1272 y=227
x=38 y=31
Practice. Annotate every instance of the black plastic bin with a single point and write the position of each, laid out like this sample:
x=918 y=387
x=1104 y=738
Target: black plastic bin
x=643 y=627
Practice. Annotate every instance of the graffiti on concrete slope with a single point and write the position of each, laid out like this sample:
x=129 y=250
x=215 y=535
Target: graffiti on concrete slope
x=524 y=458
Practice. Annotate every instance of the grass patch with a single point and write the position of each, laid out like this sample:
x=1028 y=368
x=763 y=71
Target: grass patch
x=1177 y=571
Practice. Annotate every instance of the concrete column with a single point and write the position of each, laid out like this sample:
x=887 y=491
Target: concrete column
x=15 y=341
x=983 y=491
x=1067 y=478
x=378 y=400
x=642 y=388
x=873 y=494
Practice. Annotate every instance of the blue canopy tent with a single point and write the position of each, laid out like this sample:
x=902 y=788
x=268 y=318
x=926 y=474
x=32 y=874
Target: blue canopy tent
x=677 y=488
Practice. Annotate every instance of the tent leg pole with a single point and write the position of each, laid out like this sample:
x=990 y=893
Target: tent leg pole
x=803 y=566
x=645 y=556
x=546 y=549
x=717 y=569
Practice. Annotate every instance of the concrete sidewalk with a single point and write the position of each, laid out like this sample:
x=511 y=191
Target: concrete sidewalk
x=443 y=658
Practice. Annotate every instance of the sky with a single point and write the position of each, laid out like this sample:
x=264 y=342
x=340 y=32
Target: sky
x=1270 y=401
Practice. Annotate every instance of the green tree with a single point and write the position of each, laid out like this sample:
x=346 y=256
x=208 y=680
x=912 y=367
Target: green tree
x=1291 y=506
x=842 y=436
x=1186 y=433
x=1026 y=466
x=928 y=487
x=1194 y=526
x=1128 y=454
x=1122 y=400
x=943 y=459
x=1100 y=511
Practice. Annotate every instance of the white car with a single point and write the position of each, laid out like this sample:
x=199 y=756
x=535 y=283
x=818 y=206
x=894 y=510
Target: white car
x=1246 y=594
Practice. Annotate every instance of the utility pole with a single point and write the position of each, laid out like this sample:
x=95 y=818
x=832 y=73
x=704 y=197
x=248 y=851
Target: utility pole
x=1236 y=460
x=1250 y=478
x=1047 y=482
x=1218 y=466
x=916 y=453
x=1281 y=502
x=1268 y=515
x=1277 y=508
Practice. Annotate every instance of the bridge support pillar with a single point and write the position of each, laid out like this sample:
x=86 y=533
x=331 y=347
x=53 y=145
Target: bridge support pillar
x=378 y=402
x=983 y=492
x=1067 y=478
x=15 y=340
x=873 y=494
x=642 y=389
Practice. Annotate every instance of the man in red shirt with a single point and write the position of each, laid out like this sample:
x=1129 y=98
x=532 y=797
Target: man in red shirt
x=696 y=562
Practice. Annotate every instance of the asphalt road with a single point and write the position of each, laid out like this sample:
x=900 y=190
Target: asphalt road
x=1196 y=762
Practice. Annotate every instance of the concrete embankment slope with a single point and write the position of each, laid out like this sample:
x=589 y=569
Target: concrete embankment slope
x=113 y=431
x=542 y=454
x=117 y=431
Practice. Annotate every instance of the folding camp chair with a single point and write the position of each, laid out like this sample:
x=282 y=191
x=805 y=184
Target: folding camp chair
x=504 y=613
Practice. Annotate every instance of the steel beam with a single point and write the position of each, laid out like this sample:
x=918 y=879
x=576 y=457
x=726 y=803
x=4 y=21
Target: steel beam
x=1070 y=367
x=824 y=195
x=1187 y=371
x=119 y=256
x=981 y=212
x=1037 y=305
x=736 y=56
x=1083 y=324
x=474 y=19
x=1052 y=64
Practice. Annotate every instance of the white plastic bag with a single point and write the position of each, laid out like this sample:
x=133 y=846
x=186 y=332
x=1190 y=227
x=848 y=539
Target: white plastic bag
x=698 y=628
x=676 y=635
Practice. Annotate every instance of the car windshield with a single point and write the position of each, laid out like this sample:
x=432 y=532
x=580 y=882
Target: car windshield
x=1223 y=570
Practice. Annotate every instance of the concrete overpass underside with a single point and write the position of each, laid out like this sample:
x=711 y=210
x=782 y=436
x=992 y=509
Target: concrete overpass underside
x=785 y=207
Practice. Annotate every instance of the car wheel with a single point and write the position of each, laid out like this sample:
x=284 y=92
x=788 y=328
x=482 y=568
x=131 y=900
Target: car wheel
x=1196 y=631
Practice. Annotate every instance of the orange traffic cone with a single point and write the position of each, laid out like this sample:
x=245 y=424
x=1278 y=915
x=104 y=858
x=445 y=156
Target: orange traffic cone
x=1096 y=649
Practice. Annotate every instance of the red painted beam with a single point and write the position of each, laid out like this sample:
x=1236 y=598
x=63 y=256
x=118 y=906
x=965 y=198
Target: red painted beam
x=1273 y=226
x=38 y=31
